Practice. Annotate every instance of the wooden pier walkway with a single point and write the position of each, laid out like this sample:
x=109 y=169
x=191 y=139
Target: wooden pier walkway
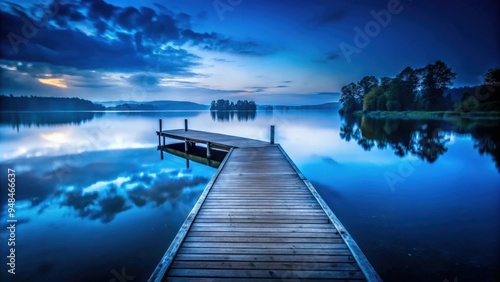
x=259 y=219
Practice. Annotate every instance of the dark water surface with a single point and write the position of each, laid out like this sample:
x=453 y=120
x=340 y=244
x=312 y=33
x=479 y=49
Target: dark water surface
x=93 y=198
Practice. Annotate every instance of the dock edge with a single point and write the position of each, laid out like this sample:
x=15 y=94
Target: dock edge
x=370 y=274
x=164 y=264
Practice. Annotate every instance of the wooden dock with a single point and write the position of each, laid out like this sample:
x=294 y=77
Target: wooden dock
x=259 y=219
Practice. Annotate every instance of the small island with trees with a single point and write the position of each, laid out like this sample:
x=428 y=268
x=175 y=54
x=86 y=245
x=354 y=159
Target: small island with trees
x=225 y=110
x=226 y=105
x=422 y=93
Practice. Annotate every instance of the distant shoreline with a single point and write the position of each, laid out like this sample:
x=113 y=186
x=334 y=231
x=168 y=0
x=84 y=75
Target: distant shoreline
x=491 y=115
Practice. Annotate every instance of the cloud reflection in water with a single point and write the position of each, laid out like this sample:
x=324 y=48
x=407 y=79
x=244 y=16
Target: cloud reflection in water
x=97 y=188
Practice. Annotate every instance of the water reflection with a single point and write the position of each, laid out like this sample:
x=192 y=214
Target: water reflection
x=230 y=115
x=98 y=189
x=160 y=114
x=487 y=141
x=88 y=203
x=426 y=139
x=28 y=119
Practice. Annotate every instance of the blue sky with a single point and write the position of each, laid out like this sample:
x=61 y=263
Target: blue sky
x=278 y=52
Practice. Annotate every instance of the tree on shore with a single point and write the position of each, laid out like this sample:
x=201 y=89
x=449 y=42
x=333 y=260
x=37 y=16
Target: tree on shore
x=435 y=79
x=408 y=84
x=492 y=77
x=351 y=97
x=401 y=93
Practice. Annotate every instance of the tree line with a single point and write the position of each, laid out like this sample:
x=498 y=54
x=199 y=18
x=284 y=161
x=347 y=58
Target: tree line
x=412 y=89
x=226 y=105
x=34 y=103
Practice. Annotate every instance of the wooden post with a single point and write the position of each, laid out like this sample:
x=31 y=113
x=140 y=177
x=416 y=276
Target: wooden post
x=272 y=134
x=185 y=124
x=186 y=149
x=208 y=150
x=159 y=136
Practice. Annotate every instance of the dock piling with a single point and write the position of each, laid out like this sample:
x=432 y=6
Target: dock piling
x=208 y=150
x=159 y=135
x=272 y=134
x=185 y=124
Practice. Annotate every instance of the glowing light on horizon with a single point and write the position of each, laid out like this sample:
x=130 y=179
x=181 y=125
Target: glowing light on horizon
x=57 y=137
x=57 y=82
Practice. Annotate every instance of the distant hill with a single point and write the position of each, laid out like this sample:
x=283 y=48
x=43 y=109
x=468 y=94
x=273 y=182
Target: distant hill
x=326 y=106
x=154 y=105
x=132 y=107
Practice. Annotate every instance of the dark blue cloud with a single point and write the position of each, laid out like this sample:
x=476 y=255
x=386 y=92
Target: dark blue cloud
x=217 y=42
x=100 y=9
x=96 y=35
x=67 y=13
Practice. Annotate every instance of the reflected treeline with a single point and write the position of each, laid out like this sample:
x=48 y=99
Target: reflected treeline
x=16 y=120
x=487 y=141
x=426 y=139
x=160 y=114
x=231 y=115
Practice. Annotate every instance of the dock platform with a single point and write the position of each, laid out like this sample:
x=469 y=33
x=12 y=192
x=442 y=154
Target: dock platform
x=259 y=219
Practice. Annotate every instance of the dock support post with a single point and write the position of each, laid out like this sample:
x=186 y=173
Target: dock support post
x=186 y=149
x=159 y=136
x=272 y=134
x=185 y=124
x=208 y=150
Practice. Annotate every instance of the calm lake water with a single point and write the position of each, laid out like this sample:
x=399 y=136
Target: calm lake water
x=94 y=200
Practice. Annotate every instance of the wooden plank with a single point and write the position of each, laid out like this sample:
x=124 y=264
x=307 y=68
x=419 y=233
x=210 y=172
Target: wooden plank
x=280 y=274
x=265 y=234
x=270 y=245
x=277 y=224
x=274 y=251
x=265 y=258
x=292 y=277
x=263 y=221
x=264 y=265
x=244 y=239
